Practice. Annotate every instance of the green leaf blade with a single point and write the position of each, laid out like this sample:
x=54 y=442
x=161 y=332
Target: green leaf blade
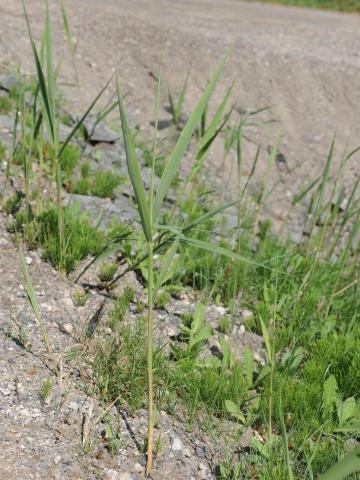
x=134 y=171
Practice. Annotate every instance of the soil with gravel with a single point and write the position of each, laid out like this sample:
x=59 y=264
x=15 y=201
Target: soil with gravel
x=302 y=62
x=62 y=435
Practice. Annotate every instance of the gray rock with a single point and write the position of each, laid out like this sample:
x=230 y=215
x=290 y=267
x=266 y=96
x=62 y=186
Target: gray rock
x=7 y=81
x=120 y=210
x=200 y=451
x=176 y=444
x=99 y=133
x=7 y=123
x=109 y=160
x=64 y=132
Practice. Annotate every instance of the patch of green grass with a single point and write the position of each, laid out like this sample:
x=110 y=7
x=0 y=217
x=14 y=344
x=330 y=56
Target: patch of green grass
x=45 y=388
x=13 y=203
x=162 y=299
x=5 y=104
x=82 y=239
x=69 y=158
x=2 y=151
x=107 y=271
x=100 y=184
x=341 y=5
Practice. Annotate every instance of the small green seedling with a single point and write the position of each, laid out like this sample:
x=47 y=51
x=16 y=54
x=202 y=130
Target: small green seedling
x=45 y=389
x=107 y=272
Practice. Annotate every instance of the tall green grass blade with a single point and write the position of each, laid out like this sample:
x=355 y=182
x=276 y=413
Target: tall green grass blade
x=82 y=119
x=207 y=216
x=69 y=39
x=33 y=301
x=30 y=289
x=343 y=468
x=50 y=69
x=183 y=141
x=168 y=258
x=181 y=100
x=42 y=83
x=305 y=191
x=217 y=117
x=213 y=248
x=134 y=170
x=324 y=182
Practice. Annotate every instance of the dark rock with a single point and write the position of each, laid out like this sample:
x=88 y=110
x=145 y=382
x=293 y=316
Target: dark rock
x=200 y=451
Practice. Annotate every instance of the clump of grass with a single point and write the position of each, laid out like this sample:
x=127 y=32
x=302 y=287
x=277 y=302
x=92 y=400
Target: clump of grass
x=69 y=159
x=162 y=299
x=107 y=271
x=82 y=238
x=5 y=104
x=79 y=297
x=225 y=325
x=100 y=184
x=2 y=151
x=45 y=389
x=12 y=204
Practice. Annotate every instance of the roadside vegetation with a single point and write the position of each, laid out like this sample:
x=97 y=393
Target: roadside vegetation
x=340 y=5
x=301 y=397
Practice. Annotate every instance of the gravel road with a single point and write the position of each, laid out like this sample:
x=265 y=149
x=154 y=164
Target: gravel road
x=304 y=63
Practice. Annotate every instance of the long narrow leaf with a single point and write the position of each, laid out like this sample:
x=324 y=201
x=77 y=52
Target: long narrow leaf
x=81 y=121
x=207 y=216
x=213 y=248
x=49 y=67
x=169 y=256
x=42 y=82
x=184 y=140
x=348 y=465
x=134 y=170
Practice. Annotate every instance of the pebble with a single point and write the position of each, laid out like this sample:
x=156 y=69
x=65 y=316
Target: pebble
x=203 y=471
x=124 y=476
x=187 y=452
x=241 y=330
x=246 y=314
x=28 y=260
x=200 y=451
x=176 y=445
x=138 y=468
x=67 y=328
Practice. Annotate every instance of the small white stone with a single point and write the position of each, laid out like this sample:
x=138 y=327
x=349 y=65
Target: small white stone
x=246 y=314
x=28 y=260
x=176 y=444
x=202 y=467
x=241 y=330
x=221 y=310
x=138 y=468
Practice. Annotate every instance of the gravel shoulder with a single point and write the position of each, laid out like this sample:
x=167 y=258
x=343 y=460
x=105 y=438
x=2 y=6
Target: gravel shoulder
x=302 y=62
